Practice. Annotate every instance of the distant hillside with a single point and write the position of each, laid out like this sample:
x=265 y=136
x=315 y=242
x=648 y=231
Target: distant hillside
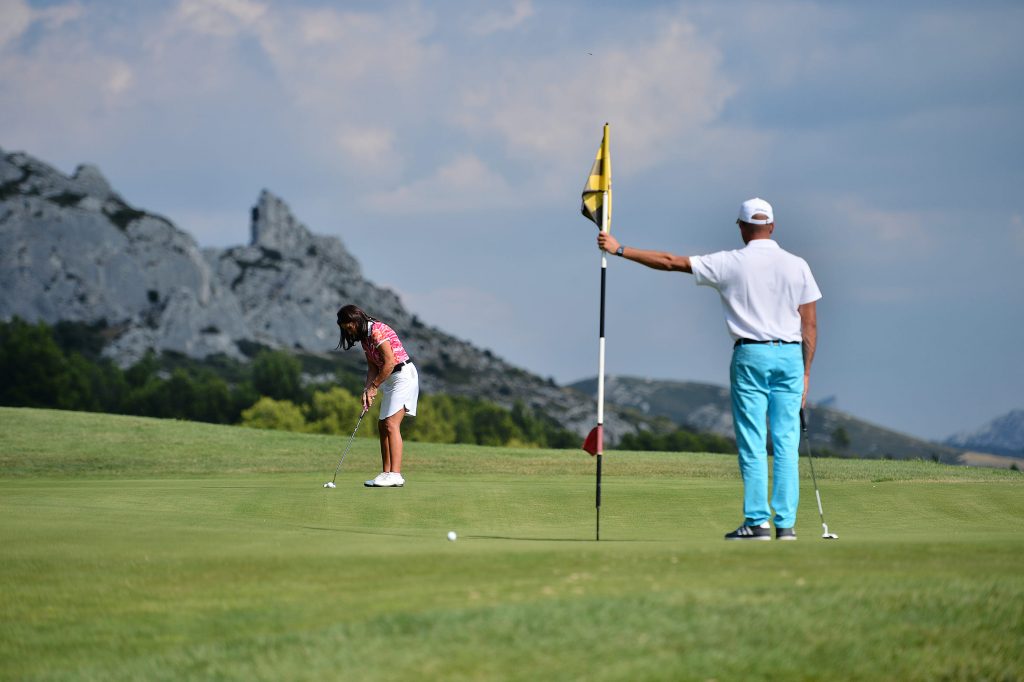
x=1002 y=436
x=706 y=407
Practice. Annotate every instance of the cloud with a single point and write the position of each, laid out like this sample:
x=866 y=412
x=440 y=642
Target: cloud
x=322 y=53
x=465 y=183
x=901 y=233
x=658 y=90
x=121 y=78
x=220 y=18
x=308 y=49
x=370 y=150
x=889 y=227
x=58 y=15
x=837 y=64
x=363 y=92
x=15 y=18
x=59 y=88
x=494 y=22
x=541 y=115
x=291 y=74
x=338 y=76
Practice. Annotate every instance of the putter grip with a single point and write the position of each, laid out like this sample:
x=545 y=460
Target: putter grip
x=803 y=424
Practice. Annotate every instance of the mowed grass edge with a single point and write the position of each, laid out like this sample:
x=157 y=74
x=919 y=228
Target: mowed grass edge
x=37 y=442
x=147 y=549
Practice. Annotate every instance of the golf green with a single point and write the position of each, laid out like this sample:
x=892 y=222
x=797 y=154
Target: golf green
x=161 y=550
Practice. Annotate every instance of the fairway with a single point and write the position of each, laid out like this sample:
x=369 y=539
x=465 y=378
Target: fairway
x=142 y=549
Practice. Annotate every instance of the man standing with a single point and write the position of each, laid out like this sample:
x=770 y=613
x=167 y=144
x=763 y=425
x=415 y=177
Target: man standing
x=769 y=297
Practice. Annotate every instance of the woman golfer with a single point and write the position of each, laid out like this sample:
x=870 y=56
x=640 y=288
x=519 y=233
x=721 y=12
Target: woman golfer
x=390 y=372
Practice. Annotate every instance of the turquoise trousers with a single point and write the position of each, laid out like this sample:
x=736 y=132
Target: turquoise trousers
x=767 y=382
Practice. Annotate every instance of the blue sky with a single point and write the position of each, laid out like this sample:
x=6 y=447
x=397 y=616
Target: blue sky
x=446 y=144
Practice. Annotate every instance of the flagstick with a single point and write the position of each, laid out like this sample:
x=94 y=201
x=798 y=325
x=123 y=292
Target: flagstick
x=599 y=180
x=600 y=375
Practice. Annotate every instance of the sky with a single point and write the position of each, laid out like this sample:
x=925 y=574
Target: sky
x=446 y=144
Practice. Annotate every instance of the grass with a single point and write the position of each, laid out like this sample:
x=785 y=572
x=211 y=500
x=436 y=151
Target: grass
x=144 y=549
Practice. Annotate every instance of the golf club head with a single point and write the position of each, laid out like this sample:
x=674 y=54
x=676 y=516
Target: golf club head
x=826 y=535
x=328 y=485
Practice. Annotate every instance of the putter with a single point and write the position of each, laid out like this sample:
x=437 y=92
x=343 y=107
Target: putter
x=825 y=535
x=330 y=484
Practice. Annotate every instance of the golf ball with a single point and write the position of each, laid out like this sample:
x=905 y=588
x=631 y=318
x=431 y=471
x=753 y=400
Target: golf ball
x=452 y=536
x=328 y=485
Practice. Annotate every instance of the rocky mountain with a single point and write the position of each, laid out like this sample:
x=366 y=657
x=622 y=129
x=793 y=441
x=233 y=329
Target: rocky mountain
x=75 y=250
x=1002 y=436
x=706 y=407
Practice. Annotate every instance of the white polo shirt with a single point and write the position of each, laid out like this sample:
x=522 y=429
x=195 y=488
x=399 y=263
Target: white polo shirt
x=761 y=286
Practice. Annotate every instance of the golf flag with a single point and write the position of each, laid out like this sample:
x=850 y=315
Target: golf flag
x=597 y=193
x=597 y=206
x=595 y=441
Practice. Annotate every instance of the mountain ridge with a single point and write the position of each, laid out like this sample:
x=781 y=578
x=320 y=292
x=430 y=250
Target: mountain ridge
x=77 y=251
x=1003 y=435
x=708 y=407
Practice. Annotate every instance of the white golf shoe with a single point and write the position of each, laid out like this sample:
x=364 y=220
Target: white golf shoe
x=392 y=480
x=377 y=480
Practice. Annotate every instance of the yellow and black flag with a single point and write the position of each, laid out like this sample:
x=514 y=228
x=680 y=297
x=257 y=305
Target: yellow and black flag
x=596 y=205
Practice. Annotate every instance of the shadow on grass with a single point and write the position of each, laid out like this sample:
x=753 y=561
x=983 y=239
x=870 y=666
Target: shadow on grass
x=518 y=538
x=364 y=532
x=527 y=539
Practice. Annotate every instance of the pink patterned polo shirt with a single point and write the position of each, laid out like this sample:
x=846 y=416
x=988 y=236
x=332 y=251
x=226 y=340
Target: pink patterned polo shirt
x=379 y=333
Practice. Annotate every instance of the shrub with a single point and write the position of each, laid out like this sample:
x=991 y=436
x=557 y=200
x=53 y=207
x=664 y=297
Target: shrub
x=333 y=411
x=268 y=413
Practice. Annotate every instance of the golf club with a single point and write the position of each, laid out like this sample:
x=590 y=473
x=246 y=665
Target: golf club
x=825 y=535
x=330 y=484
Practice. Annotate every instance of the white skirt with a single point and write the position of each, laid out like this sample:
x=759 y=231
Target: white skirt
x=400 y=391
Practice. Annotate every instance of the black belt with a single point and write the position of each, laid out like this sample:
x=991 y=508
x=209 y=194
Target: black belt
x=745 y=342
x=398 y=367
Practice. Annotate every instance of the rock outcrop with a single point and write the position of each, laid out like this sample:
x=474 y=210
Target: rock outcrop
x=73 y=249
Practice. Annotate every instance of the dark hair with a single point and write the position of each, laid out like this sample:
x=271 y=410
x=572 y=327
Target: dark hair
x=353 y=313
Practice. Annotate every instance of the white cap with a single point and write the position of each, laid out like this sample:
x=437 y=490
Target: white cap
x=751 y=207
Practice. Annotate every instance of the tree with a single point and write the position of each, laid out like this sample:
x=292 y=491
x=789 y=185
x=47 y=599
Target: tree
x=33 y=369
x=840 y=438
x=333 y=411
x=108 y=386
x=278 y=375
x=494 y=426
x=142 y=371
x=268 y=413
x=531 y=428
x=435 y=423
x=678 y=440
x=172 y=398
x=213 y=401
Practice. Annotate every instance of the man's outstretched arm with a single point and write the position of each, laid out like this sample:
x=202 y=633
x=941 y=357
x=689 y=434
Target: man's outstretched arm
x=658 y=260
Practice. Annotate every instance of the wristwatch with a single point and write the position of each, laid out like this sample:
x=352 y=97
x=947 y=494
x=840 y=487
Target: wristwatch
x=618 y=251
